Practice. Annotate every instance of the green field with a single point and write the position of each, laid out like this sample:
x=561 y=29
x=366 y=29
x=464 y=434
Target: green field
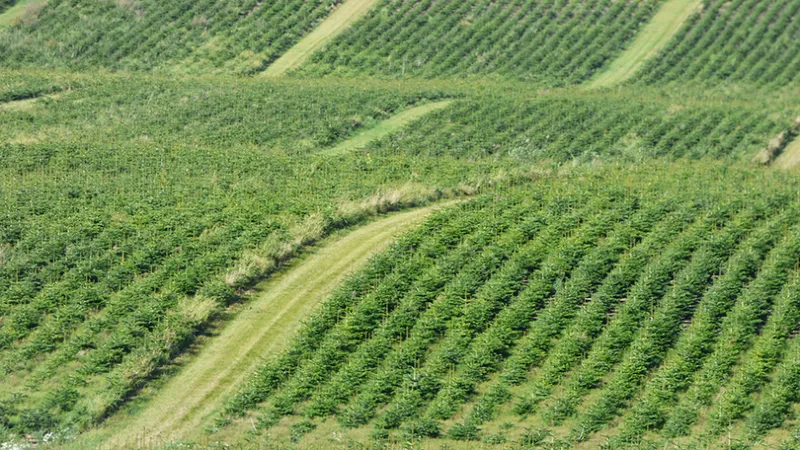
x=399 y=224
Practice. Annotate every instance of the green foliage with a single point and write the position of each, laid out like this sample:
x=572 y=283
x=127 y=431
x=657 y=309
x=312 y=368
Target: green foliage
x=675 y=375
x=610 y=272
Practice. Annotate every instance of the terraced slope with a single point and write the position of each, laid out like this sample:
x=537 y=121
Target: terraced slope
x=229 y=36
x=607 y=306
x=739 y=41
x=550 y=42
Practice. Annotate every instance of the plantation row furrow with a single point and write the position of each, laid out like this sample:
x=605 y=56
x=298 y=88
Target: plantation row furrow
x=758 y=363
x=674 y=376
x=402 y=361
x=489 y=349
x=57 y=299
x=178 y=116
x=503 y=339
x=51 y=332
x=775 y=405
x=550 y=42
x=454 y=345
x=695 y=285
x=240 y=37
x=587 y=324
x=584 y=304
x=591 y=318
x=145 y=336
x=738 y=332
x=583 y=129
x=367 y=357
x=742 y=41
x=722 y=31
x=608 y=349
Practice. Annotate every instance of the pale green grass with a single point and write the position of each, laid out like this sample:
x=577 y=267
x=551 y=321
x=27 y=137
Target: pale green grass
x=387 y=127
x=7 y=18
x=193 y=397
x=790 y=158
x=29 y=103
x=650 y=40
x=336 y=23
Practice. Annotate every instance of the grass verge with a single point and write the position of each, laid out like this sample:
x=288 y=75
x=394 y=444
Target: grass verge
x=338 y=21
x=652 y=38
x=387 y=127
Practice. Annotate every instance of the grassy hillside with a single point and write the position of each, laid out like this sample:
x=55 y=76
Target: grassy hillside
x=585 y=304
x=231 y=36
x=741 y=41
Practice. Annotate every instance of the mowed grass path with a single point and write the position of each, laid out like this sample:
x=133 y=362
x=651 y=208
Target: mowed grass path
x=190 y=400
x=7 y=18
x=790 y=158
x=387 y=127
x=28 y=103
x=650 y=40
x=337 y=22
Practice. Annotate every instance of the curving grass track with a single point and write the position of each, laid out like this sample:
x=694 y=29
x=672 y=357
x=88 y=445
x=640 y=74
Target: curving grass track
x=790 y=158
x=8 y=16
x=387 y=127
x=653 y=37
x=331 y=27
x=184 y=405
